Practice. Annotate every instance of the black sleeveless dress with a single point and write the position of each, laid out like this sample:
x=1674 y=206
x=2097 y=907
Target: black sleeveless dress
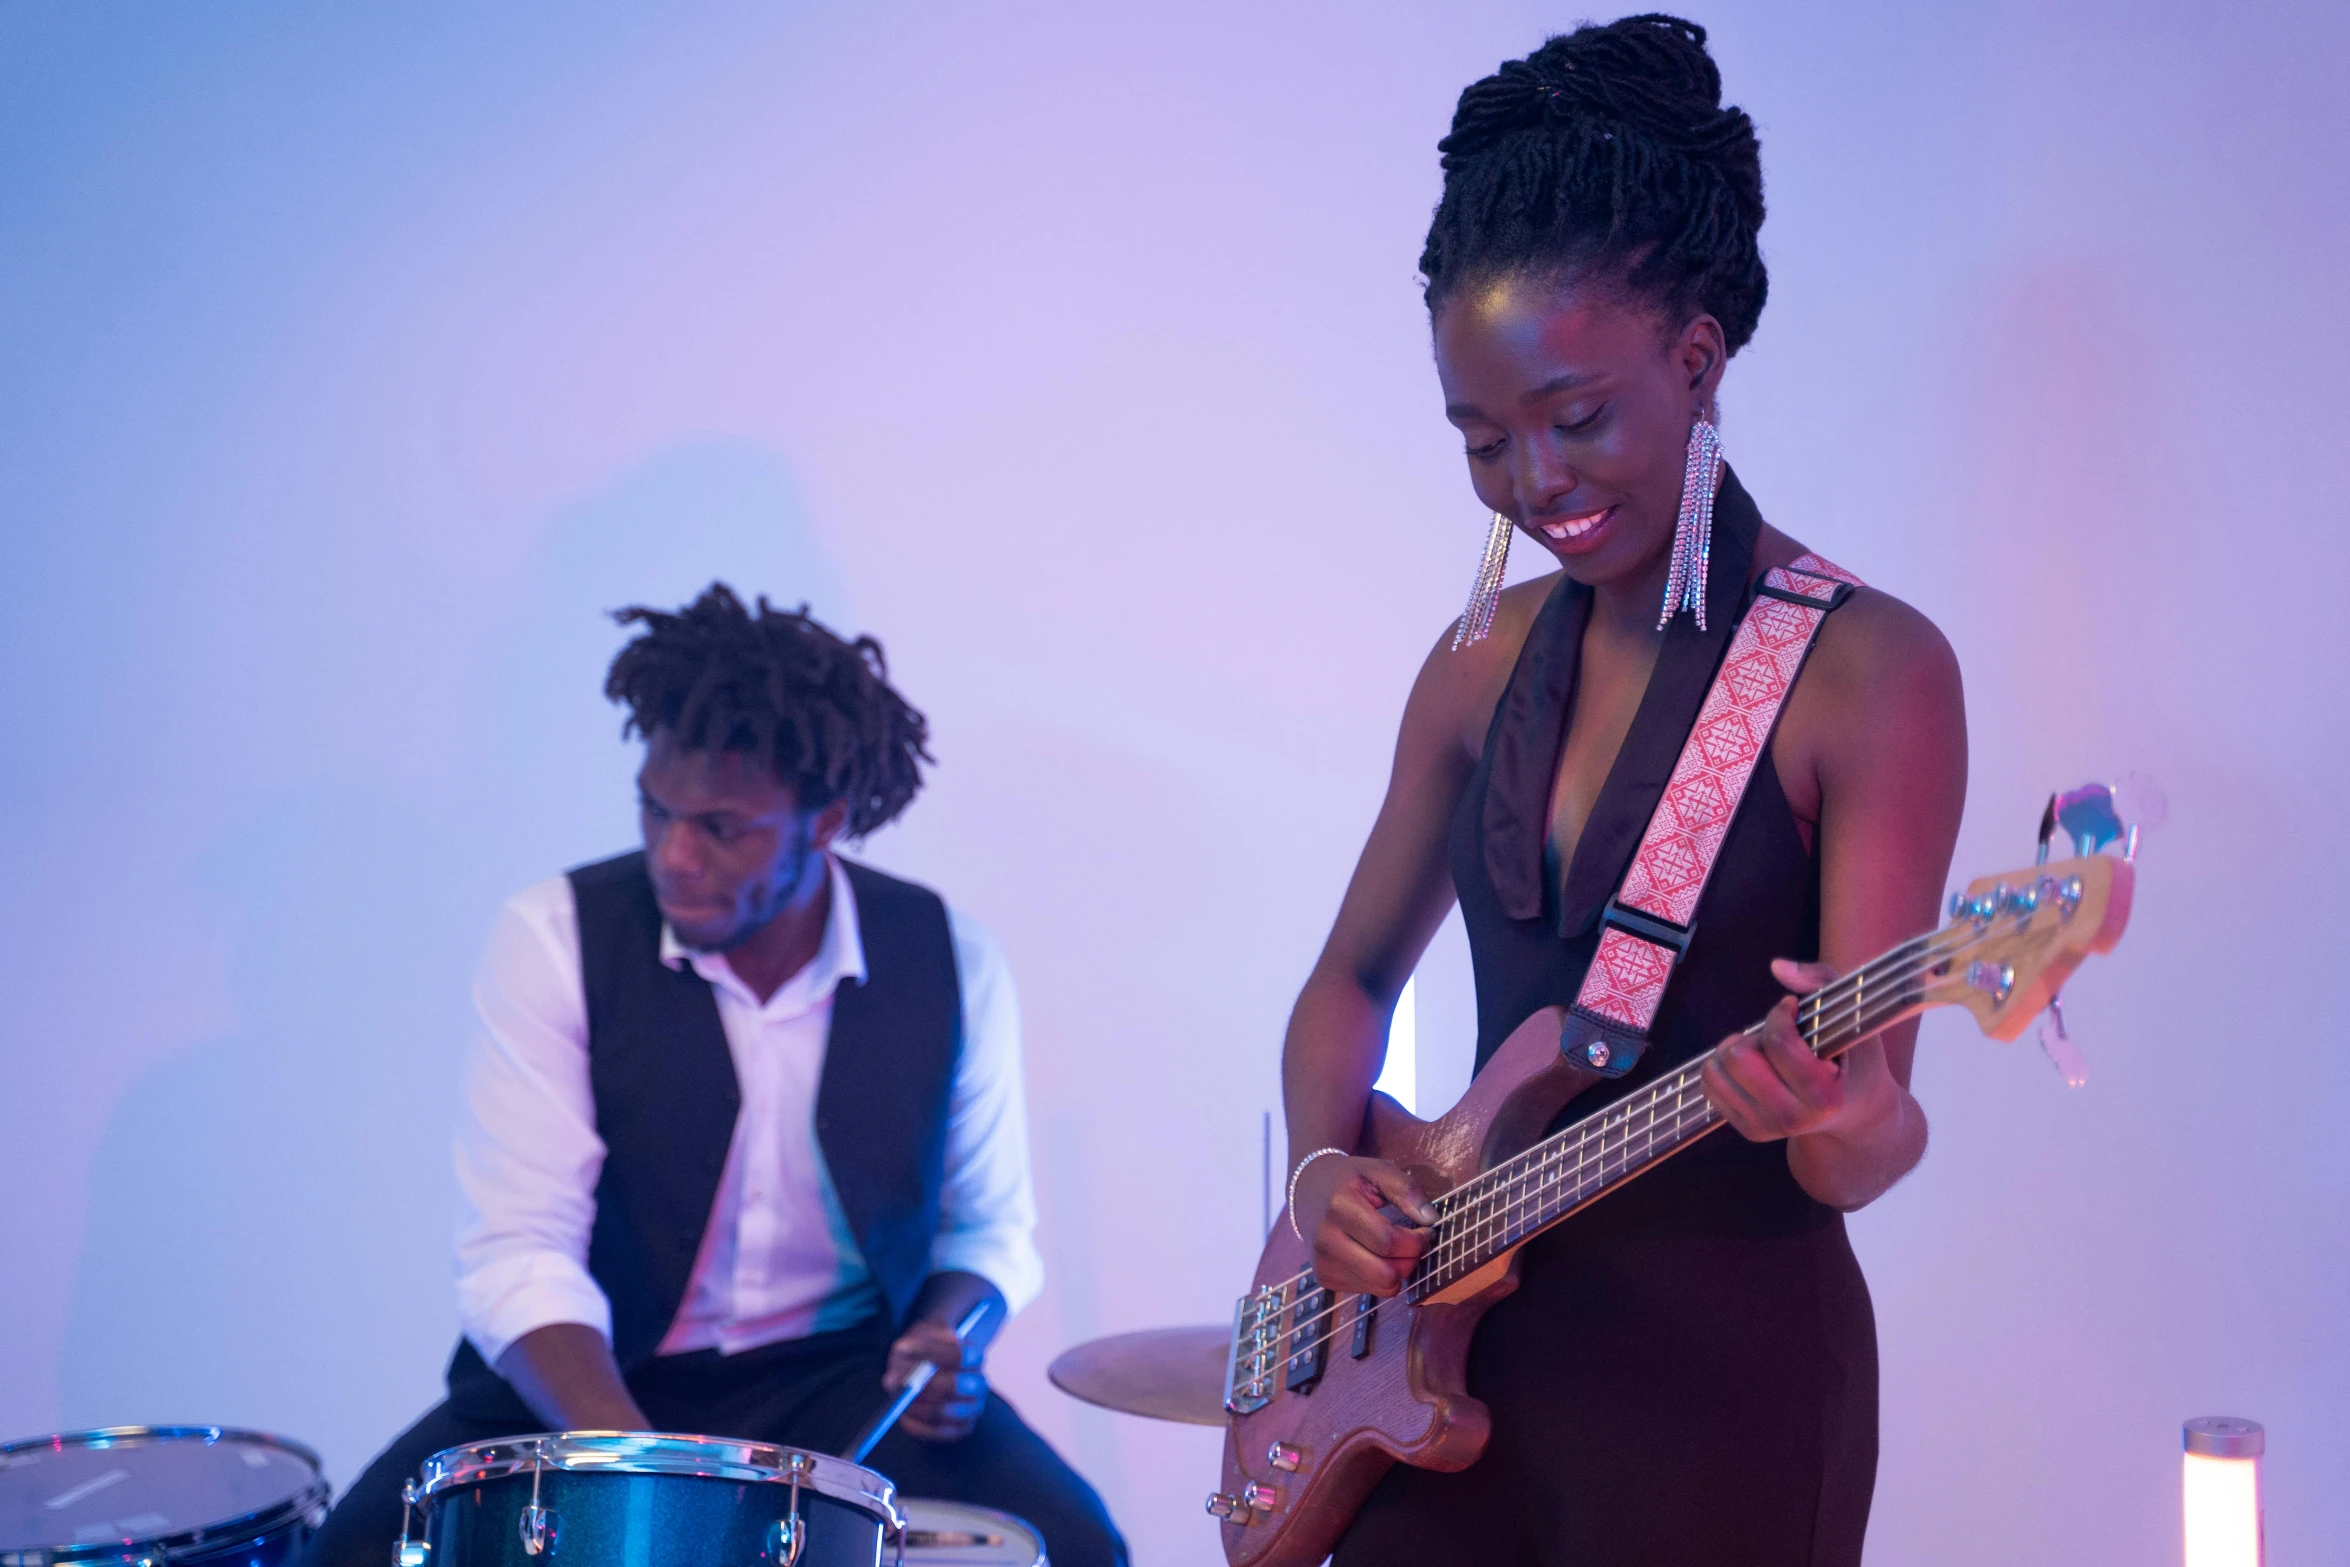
x=1688 y=1370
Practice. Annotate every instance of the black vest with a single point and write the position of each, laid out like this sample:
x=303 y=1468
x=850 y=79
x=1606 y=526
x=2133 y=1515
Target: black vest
x=666 y=1101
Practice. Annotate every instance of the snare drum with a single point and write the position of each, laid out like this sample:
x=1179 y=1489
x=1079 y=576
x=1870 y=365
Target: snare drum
x=954 y=1534
x=638 y=1499
x=156 y=1495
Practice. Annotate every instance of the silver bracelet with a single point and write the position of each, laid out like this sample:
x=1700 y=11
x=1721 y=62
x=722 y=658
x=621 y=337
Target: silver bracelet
x=1293 y=1175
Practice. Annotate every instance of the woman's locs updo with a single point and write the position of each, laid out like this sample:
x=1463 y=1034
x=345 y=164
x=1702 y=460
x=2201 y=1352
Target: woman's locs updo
x=1606 y=152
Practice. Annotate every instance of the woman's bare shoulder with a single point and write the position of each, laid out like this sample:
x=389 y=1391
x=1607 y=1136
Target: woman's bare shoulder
x=1885 y=649
x=1880 y=706
x=1874 y=638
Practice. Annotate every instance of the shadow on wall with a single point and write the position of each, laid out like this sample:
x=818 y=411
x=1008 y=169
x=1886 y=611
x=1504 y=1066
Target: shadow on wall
x=268 y=1241
x=269 y=1211
x=546 y=770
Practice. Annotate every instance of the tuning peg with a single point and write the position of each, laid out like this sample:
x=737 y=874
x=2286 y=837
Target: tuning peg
x=2058 y=1045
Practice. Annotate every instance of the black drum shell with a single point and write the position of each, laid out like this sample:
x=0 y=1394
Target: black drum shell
x=613 y=1518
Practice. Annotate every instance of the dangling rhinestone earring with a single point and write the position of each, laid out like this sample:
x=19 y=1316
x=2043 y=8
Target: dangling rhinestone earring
x=1477 y=619
x=1693 y=531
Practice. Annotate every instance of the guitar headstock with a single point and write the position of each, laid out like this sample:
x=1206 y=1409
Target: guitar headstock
x=2013 y=940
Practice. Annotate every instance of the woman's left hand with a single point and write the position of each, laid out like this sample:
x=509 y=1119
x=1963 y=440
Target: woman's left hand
x=1768 y=1084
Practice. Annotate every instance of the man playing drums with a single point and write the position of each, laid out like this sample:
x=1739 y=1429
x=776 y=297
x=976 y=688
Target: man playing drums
x=743 y=1134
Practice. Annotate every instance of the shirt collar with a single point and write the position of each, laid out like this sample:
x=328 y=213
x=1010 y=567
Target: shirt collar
x=840 y=955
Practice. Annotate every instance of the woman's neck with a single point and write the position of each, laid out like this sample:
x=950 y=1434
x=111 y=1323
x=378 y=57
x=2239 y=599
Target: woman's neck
x=1626 y=608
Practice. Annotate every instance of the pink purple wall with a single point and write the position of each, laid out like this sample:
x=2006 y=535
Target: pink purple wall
x=355 y=359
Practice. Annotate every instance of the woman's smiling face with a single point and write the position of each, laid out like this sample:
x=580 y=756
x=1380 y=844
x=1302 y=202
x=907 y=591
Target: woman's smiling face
x=1574 y=402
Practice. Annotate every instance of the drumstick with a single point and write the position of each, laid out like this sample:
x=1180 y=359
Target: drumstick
x=879 y=1426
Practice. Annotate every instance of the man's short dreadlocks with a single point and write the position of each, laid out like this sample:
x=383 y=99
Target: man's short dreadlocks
x=817 y=709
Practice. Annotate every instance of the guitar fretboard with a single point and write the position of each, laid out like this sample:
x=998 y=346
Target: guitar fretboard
x=1482 y=1219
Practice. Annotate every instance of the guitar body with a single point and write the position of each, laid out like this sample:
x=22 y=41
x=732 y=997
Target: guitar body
x=1324 y=1395
x=1405 y=1397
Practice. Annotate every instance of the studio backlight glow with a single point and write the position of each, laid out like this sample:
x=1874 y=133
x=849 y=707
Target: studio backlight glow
x=2220 y=1492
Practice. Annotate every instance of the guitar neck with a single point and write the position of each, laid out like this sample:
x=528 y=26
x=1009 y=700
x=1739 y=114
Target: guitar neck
x=1481 y=1220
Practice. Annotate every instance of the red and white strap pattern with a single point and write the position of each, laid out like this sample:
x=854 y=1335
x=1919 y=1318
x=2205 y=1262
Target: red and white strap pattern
x=1626 y=981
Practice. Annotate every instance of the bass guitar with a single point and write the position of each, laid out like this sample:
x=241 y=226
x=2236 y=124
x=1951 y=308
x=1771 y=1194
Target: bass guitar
x=1323 y=1393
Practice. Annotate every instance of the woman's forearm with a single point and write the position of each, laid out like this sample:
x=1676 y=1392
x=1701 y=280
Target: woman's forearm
x=1331 y=1057
x=1857 y=1161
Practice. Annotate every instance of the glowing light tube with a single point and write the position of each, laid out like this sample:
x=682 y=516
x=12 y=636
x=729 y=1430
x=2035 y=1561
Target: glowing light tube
x=2221 y=1492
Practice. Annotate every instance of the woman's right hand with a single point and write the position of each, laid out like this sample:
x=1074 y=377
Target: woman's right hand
x=1368 y=1222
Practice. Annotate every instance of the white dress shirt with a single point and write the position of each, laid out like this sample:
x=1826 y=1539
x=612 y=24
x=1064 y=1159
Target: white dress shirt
x=777 y=1260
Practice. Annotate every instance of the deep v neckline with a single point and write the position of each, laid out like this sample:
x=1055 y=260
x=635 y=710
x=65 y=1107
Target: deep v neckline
x=1537 y=710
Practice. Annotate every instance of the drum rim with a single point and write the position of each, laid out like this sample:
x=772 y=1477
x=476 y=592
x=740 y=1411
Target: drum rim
x=253 y=1525
x=656 y=1452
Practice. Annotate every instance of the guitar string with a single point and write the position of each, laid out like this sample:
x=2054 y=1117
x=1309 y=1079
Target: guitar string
x=1605 y=1145
x=1622 y=1159
x=1826 y=1018
x=1664 y=1134
x=1568 y=1166
x=1497 y=1204
x=1824 y=1012
x=1285 y=1349
x=1854 y=988
x=1612 y=1163
x=1563 y=1158
x=1605 y=1152
x=1639 y=1133
x=1640 y=1140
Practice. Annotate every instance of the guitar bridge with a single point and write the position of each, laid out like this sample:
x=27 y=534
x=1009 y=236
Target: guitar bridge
x=1256 y=1345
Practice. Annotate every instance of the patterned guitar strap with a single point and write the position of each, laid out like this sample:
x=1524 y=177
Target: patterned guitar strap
x=1647 y=925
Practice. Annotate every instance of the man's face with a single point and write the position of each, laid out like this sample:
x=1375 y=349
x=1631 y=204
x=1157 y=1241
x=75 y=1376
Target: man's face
x=726 y=842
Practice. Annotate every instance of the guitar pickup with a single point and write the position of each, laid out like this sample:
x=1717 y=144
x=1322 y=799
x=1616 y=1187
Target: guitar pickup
x=1366 y=1310
x=1309 y=1338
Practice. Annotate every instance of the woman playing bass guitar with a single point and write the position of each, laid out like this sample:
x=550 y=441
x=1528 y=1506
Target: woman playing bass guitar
x=1687 y=1372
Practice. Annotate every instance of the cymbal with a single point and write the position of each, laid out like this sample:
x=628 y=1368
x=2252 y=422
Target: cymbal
x=1162 y=1373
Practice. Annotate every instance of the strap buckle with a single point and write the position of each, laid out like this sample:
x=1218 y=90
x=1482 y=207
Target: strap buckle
x=1648 y=927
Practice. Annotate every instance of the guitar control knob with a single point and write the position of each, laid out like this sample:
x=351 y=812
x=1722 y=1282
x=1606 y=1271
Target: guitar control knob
x=1261 y=1498
x=1284 y=1457
x=1220 y=1505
